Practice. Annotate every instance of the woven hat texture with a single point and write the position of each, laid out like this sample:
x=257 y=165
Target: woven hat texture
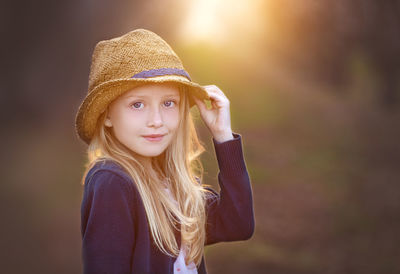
x=122 y=63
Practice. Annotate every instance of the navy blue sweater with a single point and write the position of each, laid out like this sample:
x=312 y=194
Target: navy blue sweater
x=115 y=232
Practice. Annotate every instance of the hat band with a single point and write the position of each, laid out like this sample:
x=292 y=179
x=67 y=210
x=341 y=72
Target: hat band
x=160 y=72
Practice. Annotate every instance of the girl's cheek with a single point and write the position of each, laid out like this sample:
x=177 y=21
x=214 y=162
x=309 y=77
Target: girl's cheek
x=176 y=118
x=175 y=113
x=136 y=112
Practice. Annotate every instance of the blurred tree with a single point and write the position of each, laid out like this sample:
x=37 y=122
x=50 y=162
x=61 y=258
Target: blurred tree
x=317 y=38
x=381 y=38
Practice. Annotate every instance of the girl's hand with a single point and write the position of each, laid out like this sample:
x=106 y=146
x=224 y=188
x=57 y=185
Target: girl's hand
x=217 y=118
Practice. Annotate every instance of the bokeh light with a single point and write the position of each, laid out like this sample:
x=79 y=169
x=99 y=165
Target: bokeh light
x=221 y=22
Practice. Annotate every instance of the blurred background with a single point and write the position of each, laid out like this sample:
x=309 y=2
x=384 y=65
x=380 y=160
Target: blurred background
x=315 y=93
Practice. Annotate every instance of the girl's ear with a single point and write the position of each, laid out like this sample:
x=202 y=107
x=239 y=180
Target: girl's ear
x=107 y=122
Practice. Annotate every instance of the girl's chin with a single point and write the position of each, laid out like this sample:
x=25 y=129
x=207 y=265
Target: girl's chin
x=150 y=152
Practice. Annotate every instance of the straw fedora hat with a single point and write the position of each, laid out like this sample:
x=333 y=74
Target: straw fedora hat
x=122 y=63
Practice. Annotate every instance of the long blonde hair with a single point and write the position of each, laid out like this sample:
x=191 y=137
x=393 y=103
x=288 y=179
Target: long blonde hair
x=179 y=164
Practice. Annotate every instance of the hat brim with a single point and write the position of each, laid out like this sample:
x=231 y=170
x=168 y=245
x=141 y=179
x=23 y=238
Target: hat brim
x=99 y=98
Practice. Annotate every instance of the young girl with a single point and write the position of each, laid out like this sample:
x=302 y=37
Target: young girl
x=144 y=207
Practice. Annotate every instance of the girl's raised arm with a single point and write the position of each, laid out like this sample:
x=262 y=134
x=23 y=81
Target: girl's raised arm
x=230 y=215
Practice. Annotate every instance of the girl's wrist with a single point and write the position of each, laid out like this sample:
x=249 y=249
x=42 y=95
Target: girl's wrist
x=223 y=136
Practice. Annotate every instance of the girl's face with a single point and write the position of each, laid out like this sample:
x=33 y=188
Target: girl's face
x=143 y=111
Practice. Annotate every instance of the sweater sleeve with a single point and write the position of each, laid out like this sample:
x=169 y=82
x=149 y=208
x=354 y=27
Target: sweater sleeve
x=108 y=227
x=230 y=215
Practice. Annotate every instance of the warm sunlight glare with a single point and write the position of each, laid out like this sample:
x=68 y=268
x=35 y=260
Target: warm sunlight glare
x=218 y=21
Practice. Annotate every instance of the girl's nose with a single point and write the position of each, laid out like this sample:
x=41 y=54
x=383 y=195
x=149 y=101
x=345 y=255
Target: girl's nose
x=155 y=118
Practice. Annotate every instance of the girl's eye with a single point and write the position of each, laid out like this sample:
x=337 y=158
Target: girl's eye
x=136 y=105
x=170 y=103
x=139 y=105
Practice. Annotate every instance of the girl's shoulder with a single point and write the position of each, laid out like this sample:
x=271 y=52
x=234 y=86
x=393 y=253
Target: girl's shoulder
x=108 y=166
x=107 y=183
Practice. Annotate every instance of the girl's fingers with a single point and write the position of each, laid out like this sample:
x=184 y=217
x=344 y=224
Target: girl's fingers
x=200 y=103
x=214 y=89
x=218 y=99
x=215 y=102
x=216 y=93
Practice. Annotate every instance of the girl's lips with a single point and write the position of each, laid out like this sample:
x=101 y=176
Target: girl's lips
x=154 y=138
